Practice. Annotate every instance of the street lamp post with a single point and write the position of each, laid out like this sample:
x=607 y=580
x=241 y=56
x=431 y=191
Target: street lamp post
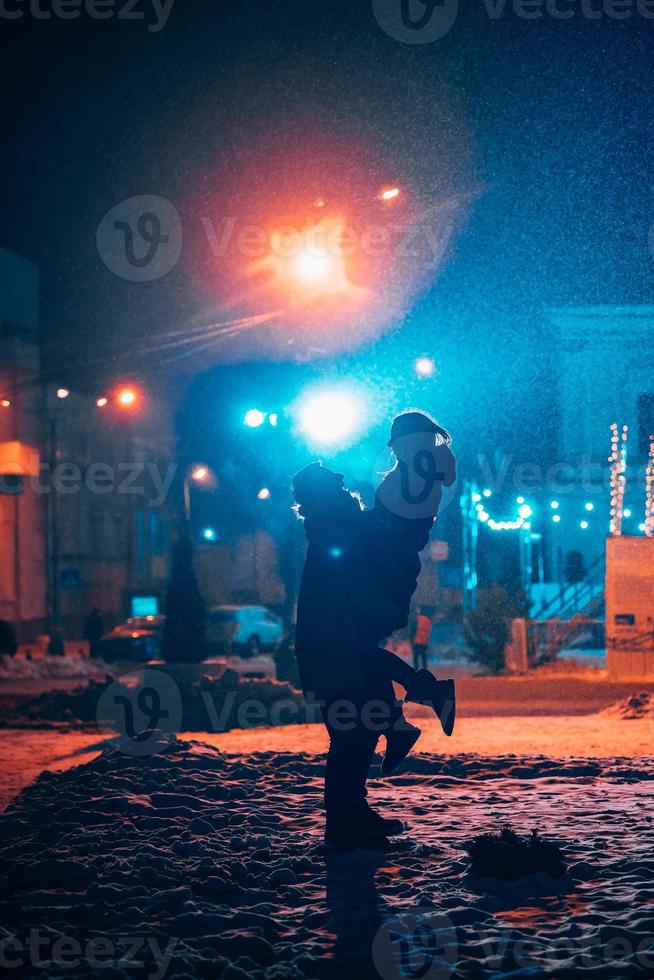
x=196 y=474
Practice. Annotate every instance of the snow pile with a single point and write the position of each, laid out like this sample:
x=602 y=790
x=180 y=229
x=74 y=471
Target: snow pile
x=636 y=706
x=50 y=668
x=203 y=704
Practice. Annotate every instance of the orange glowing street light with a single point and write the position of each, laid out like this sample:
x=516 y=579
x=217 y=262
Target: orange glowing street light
x=126 y=397
x=390 y=193
x=309 y=262
x=200 y=473
x=314 y=267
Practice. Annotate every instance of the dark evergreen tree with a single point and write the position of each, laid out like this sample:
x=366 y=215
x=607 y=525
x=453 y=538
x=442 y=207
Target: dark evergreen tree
x=184 y=633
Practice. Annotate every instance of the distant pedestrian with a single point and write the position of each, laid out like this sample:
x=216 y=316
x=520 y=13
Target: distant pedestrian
x=56 y=647
x=8 y=642
x=93 y=630
x=421 y=638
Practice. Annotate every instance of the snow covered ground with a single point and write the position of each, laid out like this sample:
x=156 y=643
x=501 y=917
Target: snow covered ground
x=203 y=857
x=201 y=864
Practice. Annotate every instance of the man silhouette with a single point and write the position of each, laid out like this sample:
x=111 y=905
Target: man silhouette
x=329 y=655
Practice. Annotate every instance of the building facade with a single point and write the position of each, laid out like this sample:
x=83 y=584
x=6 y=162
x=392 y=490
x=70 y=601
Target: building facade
x=23 y=576
x=86 y=483
x=604 y=376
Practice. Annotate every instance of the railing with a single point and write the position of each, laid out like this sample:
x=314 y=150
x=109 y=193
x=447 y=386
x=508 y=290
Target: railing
x=575 y=597
x=547 y=637
x=641 y=641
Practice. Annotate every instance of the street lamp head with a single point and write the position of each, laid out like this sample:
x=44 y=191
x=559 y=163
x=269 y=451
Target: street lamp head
x=62 y=392
x=200 y=473
x=424 y=367
x=313 y=267
x=126 y=397
x=254 y=418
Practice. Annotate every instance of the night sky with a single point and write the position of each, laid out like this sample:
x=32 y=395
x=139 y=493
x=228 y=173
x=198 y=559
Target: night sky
x=546 y=125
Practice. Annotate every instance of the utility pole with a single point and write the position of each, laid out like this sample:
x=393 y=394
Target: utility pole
x=470 y=532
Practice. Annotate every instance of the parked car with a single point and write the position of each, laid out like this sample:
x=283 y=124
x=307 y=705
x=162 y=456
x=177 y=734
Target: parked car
x=244 y=630
x=154 y=624
x=126 y=643
x=234 y=633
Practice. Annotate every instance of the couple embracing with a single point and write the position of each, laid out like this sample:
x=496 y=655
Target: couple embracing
x=360 y=573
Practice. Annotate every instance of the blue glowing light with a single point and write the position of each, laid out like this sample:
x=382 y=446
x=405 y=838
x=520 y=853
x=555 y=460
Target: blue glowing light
x=254 y=418
x=209 y=534
x=331 y=417
x=525 y=511
x=424 y=367
x=335 y=552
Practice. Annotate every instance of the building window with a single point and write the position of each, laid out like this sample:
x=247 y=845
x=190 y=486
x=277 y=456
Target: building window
x=645 y=423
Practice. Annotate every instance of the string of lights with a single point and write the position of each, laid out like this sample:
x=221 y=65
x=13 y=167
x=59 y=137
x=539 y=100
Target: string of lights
x=649 y=491
x=618 y=461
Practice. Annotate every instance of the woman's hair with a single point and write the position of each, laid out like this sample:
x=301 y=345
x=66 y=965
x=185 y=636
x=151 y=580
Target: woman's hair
x=444 y=435
x=415 y=421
